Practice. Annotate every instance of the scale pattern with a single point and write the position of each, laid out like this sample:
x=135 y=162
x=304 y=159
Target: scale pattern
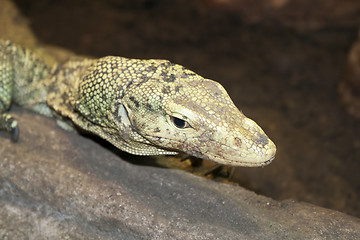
x=144 y=107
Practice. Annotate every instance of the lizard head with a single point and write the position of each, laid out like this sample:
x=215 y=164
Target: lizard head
x=175 y=109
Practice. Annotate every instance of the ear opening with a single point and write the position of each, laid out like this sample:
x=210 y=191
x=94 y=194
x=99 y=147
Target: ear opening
x=121 y=115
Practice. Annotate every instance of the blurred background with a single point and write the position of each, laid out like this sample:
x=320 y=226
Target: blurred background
x=291 y=65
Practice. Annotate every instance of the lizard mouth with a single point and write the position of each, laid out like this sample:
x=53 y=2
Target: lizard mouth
x=224 y=154
x=251 y=156
x=238 y=162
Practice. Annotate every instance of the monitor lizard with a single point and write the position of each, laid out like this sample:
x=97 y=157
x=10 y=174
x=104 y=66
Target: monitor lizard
x=144 y=107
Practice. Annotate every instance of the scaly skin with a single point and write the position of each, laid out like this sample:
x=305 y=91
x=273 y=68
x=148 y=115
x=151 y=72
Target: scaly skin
x=144 y=107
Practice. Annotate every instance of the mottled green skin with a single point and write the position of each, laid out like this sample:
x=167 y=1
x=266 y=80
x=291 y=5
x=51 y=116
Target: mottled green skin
x=19 y=63
x=144 y=107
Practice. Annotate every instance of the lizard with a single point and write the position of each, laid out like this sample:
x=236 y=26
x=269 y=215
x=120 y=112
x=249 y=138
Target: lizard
x=141 y=106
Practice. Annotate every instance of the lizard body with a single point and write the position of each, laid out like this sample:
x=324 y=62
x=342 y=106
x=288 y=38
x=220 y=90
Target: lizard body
x=144 y=107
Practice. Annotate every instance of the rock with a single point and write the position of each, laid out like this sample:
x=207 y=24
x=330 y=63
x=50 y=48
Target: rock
x=14 y=26
x=349 y=88
x=60 y=185
x=297 y=14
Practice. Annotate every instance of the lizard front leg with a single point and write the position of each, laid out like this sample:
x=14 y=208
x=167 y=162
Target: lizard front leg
x=7 y=122
x=22 y=81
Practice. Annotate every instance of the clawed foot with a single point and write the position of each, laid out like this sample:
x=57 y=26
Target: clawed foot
x=9 y=124
x=217 y=170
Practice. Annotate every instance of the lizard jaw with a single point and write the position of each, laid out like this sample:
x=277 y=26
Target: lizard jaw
x=250 y=154
x=242 y=158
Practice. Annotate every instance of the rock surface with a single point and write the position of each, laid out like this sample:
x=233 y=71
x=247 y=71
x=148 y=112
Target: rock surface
x=349 y=88
x=298 y=14
x=59 y=185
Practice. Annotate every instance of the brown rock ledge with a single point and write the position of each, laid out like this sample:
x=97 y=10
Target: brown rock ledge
x=59 y=185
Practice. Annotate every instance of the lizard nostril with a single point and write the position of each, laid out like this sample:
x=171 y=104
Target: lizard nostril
x=237 y=141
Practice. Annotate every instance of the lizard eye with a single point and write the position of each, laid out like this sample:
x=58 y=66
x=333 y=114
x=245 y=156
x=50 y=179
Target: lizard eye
x=179 y=123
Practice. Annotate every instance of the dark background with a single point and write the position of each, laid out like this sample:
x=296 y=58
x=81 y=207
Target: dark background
x=281 y=69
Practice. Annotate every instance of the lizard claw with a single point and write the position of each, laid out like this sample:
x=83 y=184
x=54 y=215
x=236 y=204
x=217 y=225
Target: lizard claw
x=15 y=134
x=214 y=170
